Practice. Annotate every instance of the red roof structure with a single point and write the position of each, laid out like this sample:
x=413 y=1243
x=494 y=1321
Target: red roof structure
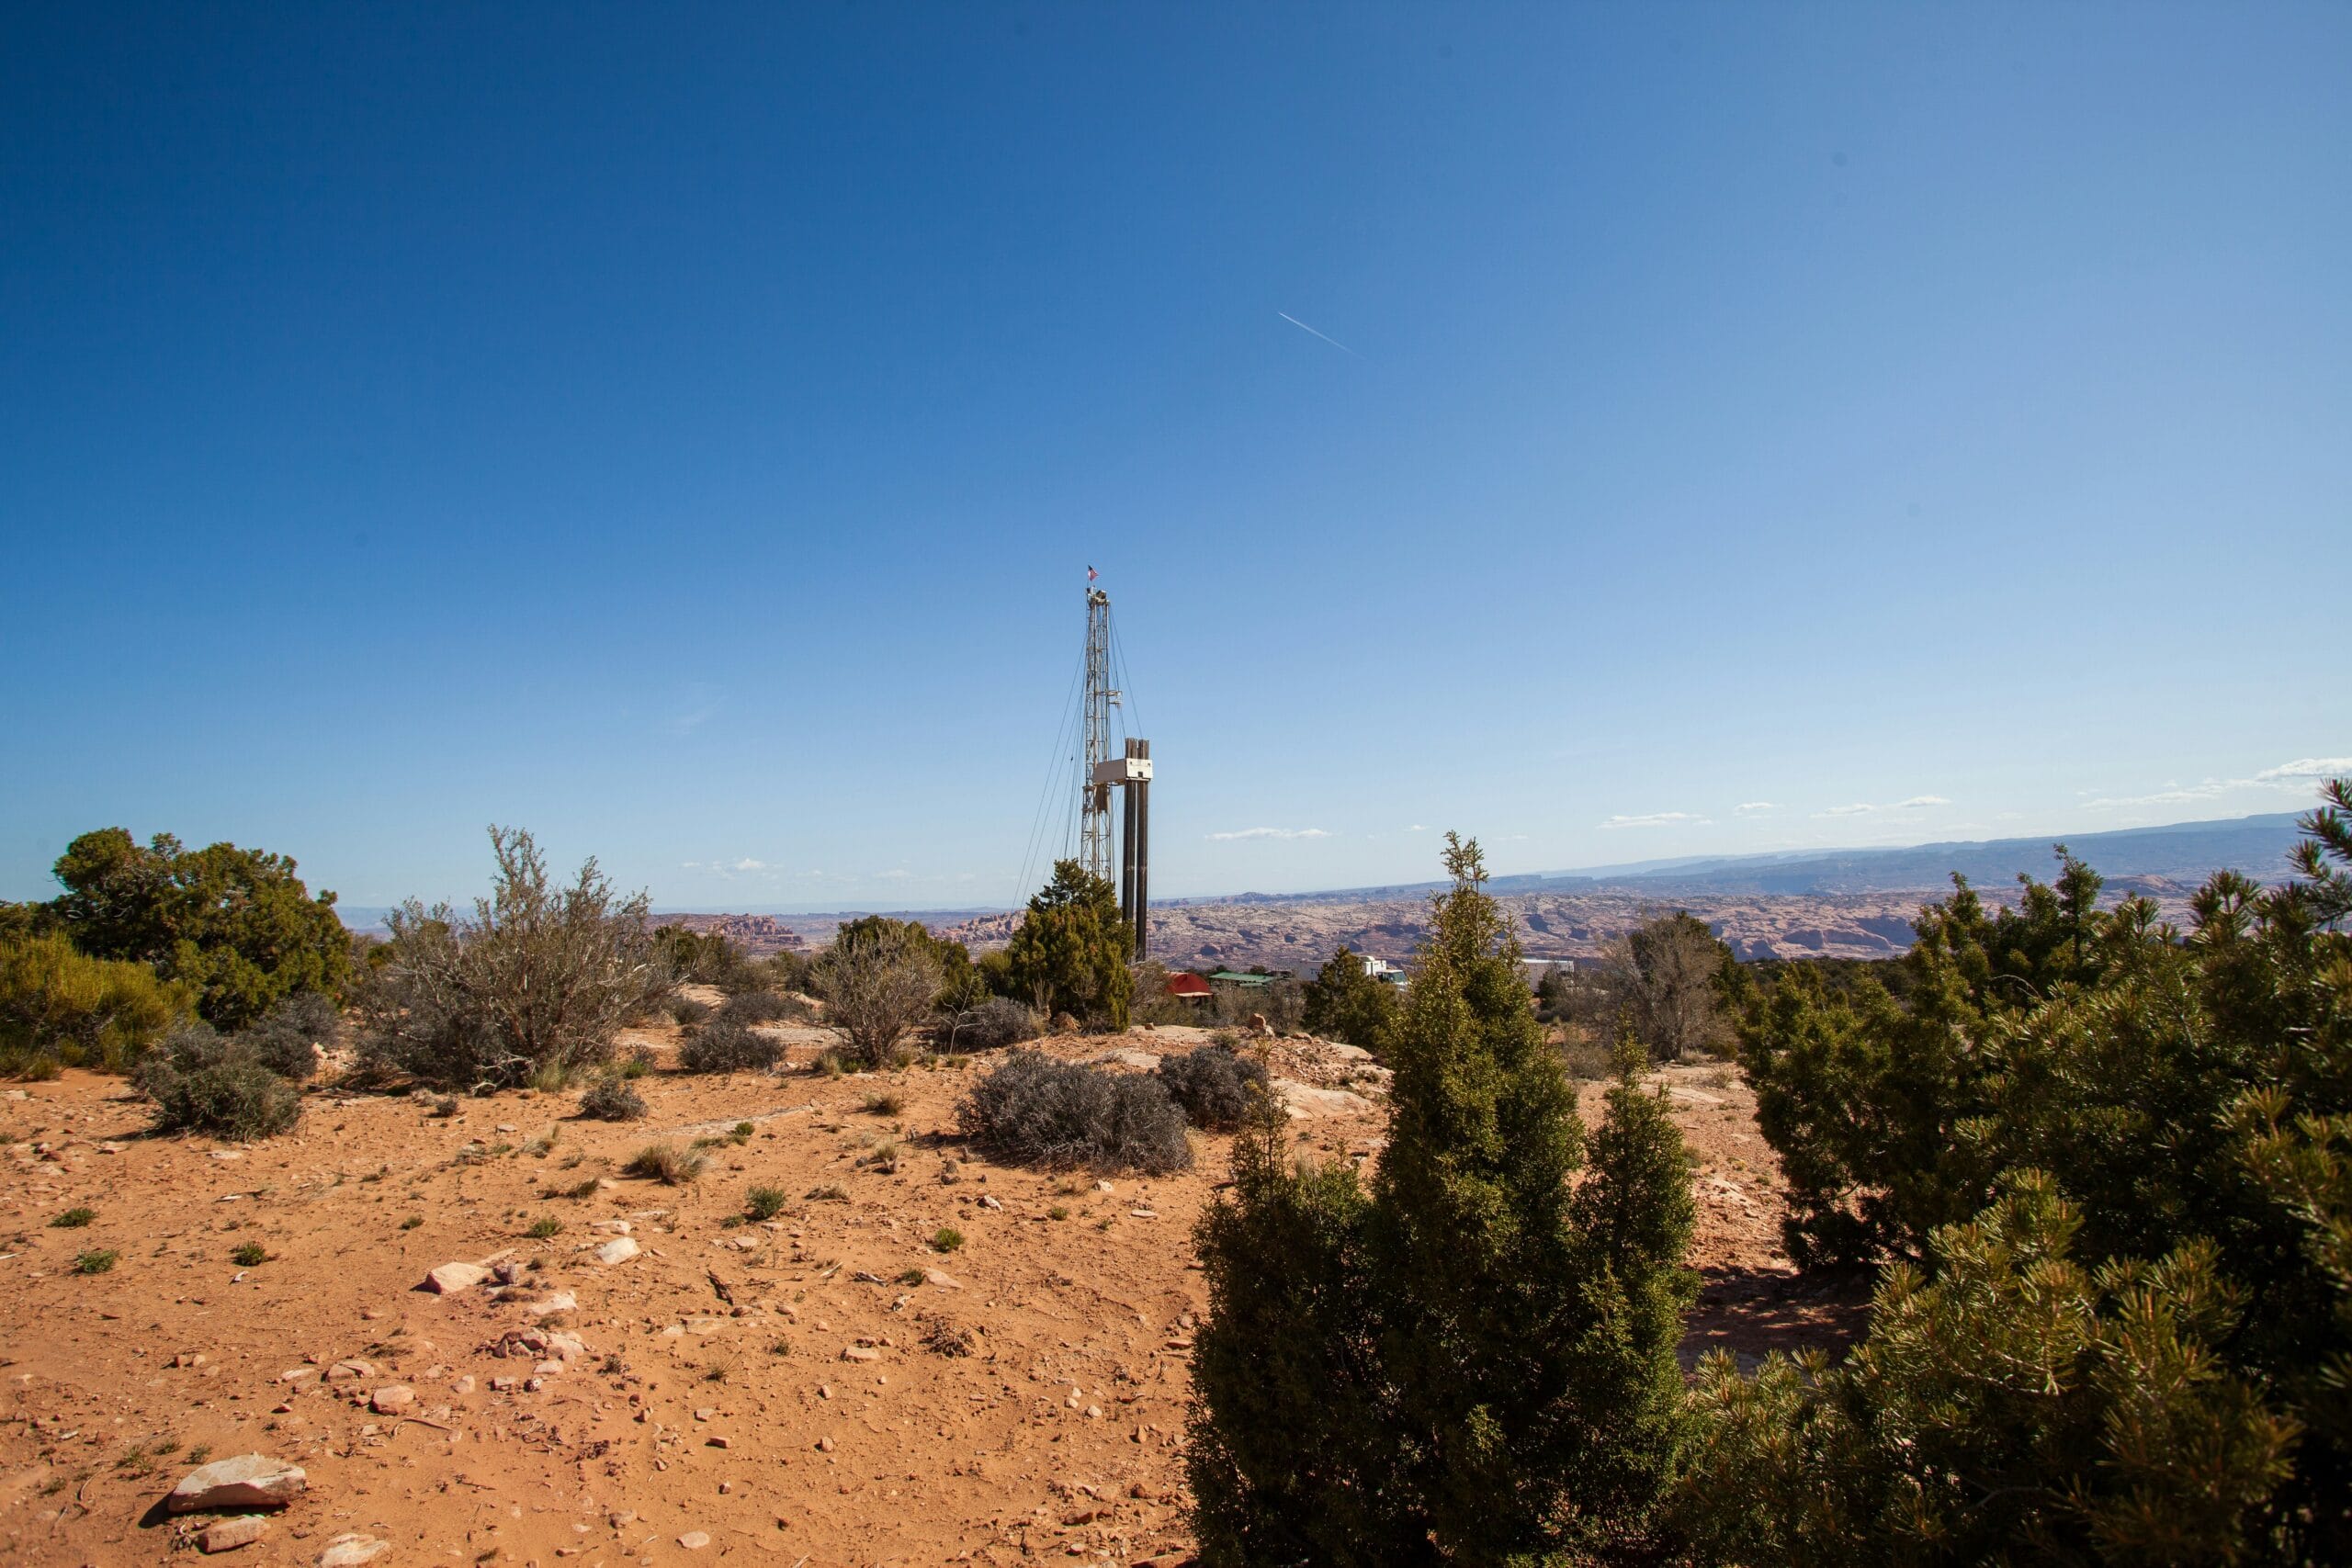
x=1190 y=986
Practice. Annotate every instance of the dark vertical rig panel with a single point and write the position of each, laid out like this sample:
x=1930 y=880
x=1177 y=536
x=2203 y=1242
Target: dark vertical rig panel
x=1135 y=856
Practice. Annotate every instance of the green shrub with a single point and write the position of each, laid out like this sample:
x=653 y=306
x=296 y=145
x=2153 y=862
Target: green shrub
x=96 y=1262
x=713 y=958
x=538 y=977
x=544 y=1227
x=947 y=1238
x=2019 y=1401
x=1032 y=1110
x=1478 y=1355
x=1213 y=1085
x=686 y=1010
x=765 y=1203
x=724 y=1045
x=886 y=1102
x=60 y=1008
x=2112 y=1166
x=667 y=1164
x=251 y=1255
x=74 y=1219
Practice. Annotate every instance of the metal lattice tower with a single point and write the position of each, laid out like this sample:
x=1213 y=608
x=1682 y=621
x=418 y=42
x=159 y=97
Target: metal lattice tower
x=1094 y=805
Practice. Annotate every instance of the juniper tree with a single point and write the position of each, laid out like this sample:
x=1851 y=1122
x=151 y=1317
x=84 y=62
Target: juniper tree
x=1069 y=953
x=1475 y=1364
x=236 y=926
x=1344 y=1002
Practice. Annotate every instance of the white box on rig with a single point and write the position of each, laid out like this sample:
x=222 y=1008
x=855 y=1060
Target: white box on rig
x=1123 y=770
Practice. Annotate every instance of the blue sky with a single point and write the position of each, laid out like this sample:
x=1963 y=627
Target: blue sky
x=683 y=433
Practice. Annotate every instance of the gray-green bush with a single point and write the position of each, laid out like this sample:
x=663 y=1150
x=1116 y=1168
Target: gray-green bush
x=725 y=1045
x=764 y=1007
x=538 y=977
x=1032 y=1110
x=611 y=1100
x=1213 y=1085
x=207 y=1082
x=990 y=1026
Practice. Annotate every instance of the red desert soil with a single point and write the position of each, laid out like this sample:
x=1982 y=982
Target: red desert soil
x=820 y=1389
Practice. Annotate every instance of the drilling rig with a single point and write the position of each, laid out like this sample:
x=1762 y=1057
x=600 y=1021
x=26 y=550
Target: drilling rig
x=1101 y=772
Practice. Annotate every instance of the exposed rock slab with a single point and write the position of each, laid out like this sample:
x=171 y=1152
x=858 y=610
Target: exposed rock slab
x=242 y=1480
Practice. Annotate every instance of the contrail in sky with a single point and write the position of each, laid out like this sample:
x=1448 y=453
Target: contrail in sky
x=1327 y=337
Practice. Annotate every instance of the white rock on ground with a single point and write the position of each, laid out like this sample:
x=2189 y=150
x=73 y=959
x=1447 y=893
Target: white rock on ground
x=451 y=1278
x=1307 y=1100
x=229 y=1534
x=351 y=1550
x=620 y=1249
x=242 y=1480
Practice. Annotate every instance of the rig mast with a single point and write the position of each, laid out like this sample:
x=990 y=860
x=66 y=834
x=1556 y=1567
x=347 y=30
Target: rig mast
x=1102 y=771
x=1094 y=809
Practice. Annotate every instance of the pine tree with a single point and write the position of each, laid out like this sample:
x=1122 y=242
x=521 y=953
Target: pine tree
x=2115 y=1161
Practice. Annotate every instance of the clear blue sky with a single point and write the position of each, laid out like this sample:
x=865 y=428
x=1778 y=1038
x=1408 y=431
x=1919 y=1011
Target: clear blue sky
x=684 y=432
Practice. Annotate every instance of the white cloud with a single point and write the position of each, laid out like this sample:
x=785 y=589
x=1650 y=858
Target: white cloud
x=1270 y=833
x=1656 y=819
x=1751 y=807
x=1418 y=828
x=896 y=874
x=1865 y=808
x=2292 y=778
x=727 y=870
x=2307 y=768
x=2177 y=795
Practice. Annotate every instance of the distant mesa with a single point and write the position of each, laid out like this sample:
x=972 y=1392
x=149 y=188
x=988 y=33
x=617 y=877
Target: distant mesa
x=759 y=935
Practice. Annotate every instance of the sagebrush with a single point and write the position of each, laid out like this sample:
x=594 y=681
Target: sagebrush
x=726 y=1045
x=1213 y=1085
x=1034 y=1109
x=201 y=1080
x=538 y=977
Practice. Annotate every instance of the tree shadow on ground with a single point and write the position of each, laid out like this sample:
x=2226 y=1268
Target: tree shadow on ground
x=1752 y=1311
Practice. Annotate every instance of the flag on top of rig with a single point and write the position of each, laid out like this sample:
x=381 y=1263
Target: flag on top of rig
x=1090 y=574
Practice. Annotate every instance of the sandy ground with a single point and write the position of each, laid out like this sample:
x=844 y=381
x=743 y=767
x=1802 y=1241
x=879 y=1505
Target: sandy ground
x=797 y=1390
